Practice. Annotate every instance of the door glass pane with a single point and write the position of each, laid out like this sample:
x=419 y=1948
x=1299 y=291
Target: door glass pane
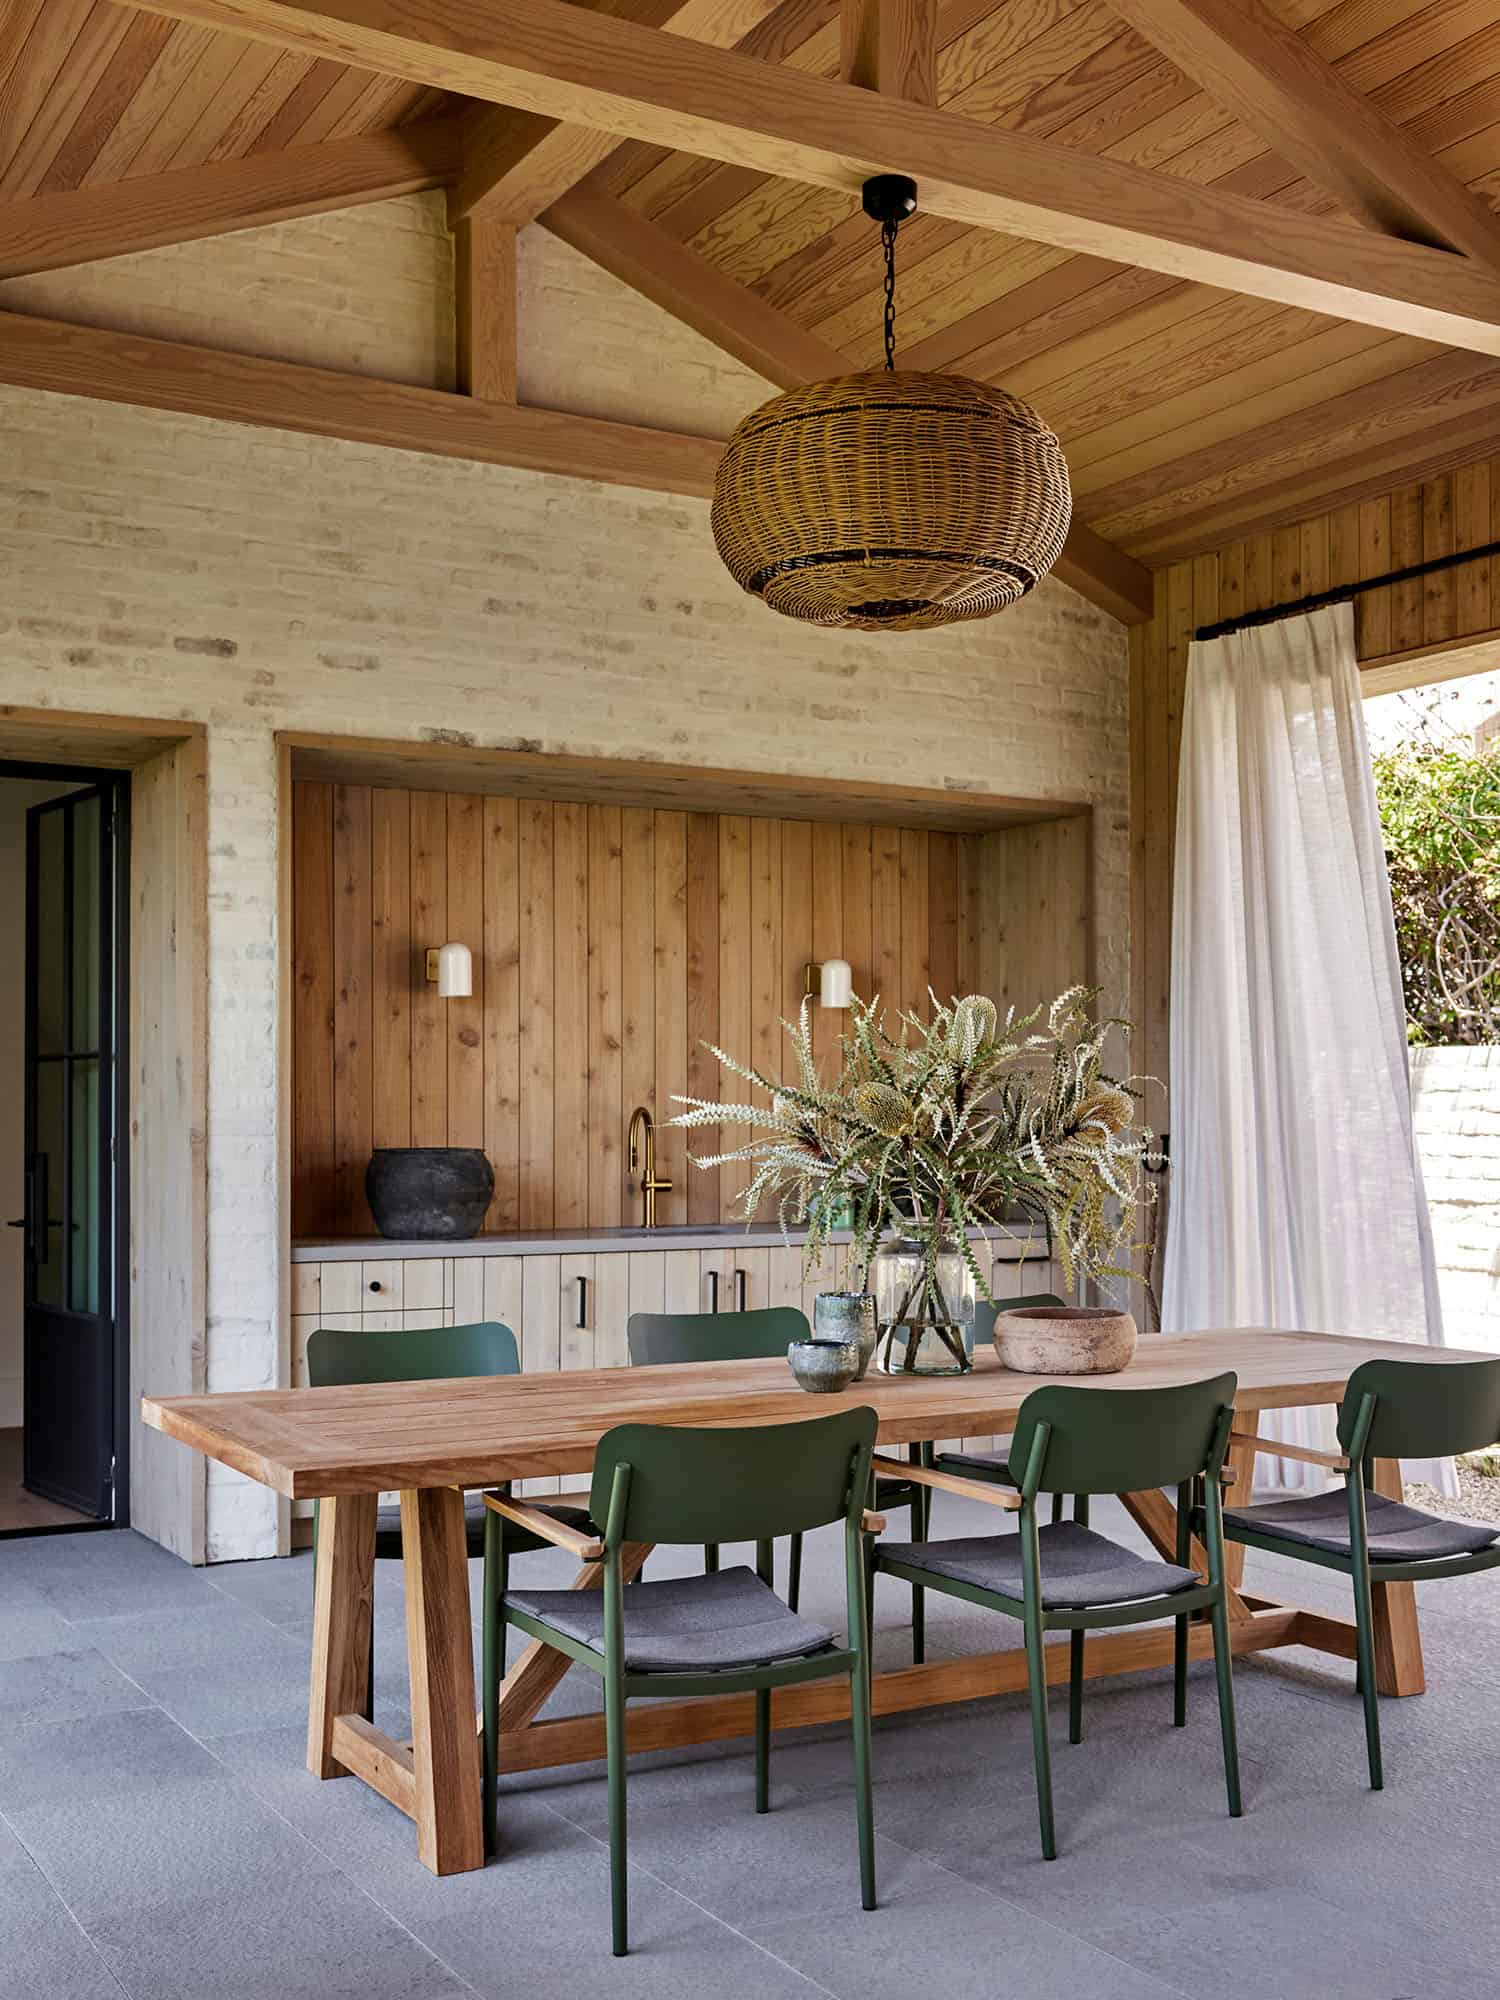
x=86 y=924
x=51 y=991
x=83 y=1234
x=50 y=1116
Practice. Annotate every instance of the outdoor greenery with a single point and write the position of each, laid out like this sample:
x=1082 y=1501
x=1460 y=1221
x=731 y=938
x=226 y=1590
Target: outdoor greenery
x=1440 y=810
x=951 y=1123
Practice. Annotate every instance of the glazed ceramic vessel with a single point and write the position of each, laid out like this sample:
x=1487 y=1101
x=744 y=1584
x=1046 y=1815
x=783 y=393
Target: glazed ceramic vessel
x=1065 y=1340
x=847 y=1316
x=823 y=1367
x=436 y=1194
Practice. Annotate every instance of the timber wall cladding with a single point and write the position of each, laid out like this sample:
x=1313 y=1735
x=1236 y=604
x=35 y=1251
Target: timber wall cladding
x=1449 y=512
x=609 y=944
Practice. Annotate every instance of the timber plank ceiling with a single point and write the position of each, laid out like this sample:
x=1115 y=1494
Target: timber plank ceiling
x=1189 y=415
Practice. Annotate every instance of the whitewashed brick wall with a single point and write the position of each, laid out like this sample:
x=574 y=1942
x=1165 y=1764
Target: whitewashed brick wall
x=1456 y=1102
x=172 y=566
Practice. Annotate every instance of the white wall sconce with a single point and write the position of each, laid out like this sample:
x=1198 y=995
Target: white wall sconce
x=451 y=967
x=832 y=981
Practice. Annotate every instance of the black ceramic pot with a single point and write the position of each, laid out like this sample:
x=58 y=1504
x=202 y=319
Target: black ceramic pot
x=435 y=1194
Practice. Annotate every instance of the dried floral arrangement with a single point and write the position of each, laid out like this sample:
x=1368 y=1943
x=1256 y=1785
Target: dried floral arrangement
x=953 y=1123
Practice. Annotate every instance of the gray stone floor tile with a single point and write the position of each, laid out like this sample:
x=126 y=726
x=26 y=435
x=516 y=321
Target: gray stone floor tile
x=28 y=1628
x=957 y=1941
x=188 y=1635
x=44 y=1954
x=319 y=1939
x=180 y=1842
x=100 y=1757
x=57 y=1686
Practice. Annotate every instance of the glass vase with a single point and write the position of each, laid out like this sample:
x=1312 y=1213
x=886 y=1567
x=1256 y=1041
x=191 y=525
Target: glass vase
x=926 y=1308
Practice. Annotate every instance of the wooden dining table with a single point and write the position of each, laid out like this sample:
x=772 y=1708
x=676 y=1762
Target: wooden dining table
x=432 y=1440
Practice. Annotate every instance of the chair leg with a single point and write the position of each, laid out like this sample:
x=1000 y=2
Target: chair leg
x=710 y=1558
x=1057 y=1508
x=870 y=1588
x=794 y=1574
x=864 y=1800
x=1075 y=1687
x=1224 y=1675
x=1364 y=1620
x=614 y=1737
x=921 y=1524
x=1036 y=1674
x=762 y=1750
x=1179 y=1673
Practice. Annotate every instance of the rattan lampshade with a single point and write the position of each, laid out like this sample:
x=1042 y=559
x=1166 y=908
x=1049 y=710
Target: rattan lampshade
x=888 y=502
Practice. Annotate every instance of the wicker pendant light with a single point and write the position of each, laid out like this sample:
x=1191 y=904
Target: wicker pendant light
x=887 y=502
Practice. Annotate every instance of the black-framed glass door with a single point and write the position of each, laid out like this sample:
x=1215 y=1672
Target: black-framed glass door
x=71 y=1391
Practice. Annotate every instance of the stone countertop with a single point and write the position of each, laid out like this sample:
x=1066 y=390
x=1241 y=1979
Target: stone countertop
x=1028 y=1246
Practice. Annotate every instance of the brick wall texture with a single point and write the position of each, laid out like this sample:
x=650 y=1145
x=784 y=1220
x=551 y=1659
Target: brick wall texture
x=1456 y=1103
x=177 y=567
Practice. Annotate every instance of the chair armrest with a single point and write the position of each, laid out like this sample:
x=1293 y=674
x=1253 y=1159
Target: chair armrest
x=1302 y=1452
x=947 y=1482
x=585 y=1547
x=873 y=1524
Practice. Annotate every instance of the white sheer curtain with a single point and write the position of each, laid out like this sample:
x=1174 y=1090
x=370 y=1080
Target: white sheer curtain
x=1297 y=1195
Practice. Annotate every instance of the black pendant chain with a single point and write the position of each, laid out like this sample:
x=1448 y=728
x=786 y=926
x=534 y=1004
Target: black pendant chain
x=888 y=230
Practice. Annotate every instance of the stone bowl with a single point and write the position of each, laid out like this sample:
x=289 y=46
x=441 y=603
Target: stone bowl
x=429 y=1194
x=1065 y=1340
x=824 y=1367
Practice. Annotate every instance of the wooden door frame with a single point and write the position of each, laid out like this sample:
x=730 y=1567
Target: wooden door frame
x=166 y=1043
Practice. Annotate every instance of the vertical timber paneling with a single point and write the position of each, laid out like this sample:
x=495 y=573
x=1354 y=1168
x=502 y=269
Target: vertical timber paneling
x=610 y=944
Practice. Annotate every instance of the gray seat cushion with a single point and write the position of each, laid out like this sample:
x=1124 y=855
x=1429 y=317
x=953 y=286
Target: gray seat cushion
x=388 y=1527
x=686 y=1624
x=1080 y=1569
x=991 y=1466
x=1397 y=1533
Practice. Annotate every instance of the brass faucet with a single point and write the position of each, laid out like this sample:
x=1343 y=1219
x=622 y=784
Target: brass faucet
x=643 y=1126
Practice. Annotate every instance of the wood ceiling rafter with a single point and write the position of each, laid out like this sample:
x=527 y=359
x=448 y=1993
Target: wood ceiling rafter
x=1243 y=56
x=677 y=279
x=564 y=62
x=48 y=232
x=518 y=162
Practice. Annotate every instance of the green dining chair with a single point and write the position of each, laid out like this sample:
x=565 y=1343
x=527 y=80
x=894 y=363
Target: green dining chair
x=764 y=1333
x=1391 y=1409
x=339 y=1357
x=724 y=1632
x=1066 y=1577
x=994 y=1465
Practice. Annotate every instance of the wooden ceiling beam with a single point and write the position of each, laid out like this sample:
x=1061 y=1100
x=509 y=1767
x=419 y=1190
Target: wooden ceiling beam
x=320 y=402
x=46 y=232
x=484 y=308
x=890 y=46
x=1266 y=75
x=517 y=162
x=559 y=61
x=623 y=242
x=642 y=254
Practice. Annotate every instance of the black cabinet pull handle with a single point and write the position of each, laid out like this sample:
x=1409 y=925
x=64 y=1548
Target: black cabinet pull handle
x=583 y=1301
x=376 y=1286
x=713 y=1291
x=739 y=1290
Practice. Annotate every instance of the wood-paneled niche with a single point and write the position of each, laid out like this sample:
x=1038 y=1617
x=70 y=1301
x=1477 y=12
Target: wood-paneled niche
x=620 y=916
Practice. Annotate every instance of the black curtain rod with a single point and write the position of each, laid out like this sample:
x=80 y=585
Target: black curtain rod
x=1343 y=593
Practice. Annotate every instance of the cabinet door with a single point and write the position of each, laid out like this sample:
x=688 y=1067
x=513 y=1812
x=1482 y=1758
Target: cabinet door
x=575 y=1309
x=609 y=1307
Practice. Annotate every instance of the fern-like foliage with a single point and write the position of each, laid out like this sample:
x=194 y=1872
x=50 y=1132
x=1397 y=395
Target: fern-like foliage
x=953 y=1123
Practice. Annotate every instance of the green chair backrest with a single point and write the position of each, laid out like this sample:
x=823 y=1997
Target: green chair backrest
x=742 y=1336
x=1424 y=1409
x=1123 y=1440
x=986 y=1309
x=739 y=1485
x=337 y=1357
